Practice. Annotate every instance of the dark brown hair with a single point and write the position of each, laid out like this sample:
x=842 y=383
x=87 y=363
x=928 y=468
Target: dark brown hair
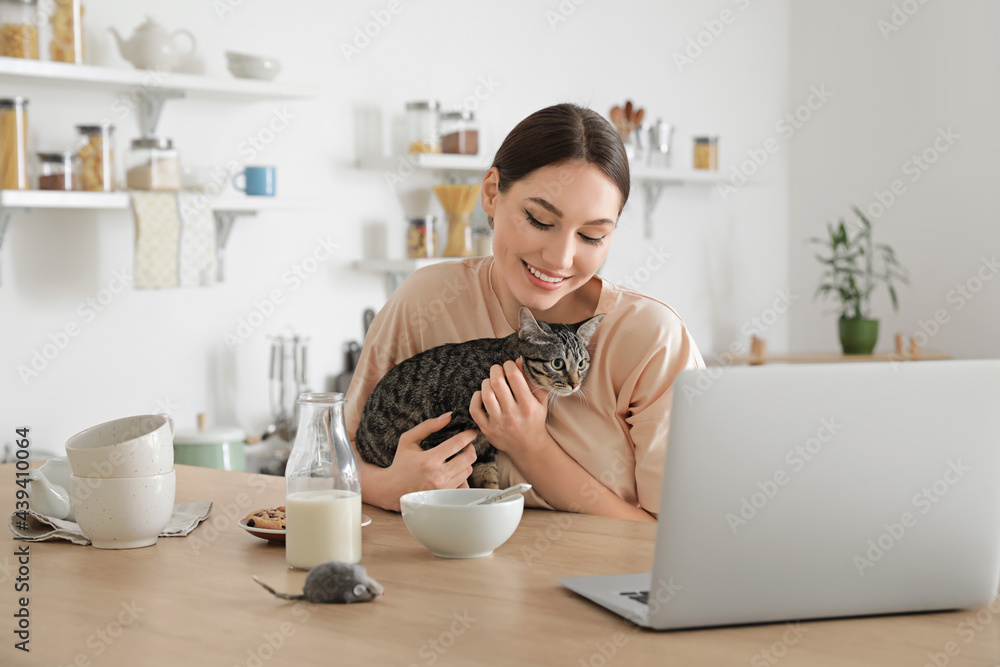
x=558 y=134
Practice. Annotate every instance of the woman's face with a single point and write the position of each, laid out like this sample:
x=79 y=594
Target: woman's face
x=552 y=230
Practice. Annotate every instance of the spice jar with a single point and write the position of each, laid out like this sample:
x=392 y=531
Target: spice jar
x=153 y=164
x=706 y=153
x=420 y=237
x=96 y=157
x=422 y=127
x=67 y=32
x=459 y=133
x=58 y=171
x=13 y=144
x=19 y=29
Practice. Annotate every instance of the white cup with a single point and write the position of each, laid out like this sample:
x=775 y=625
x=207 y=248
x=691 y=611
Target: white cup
x=125 y=512
x=129 y=447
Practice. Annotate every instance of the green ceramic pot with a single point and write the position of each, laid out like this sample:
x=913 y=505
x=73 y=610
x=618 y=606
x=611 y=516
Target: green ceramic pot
x=217 y=447
x=858 y=336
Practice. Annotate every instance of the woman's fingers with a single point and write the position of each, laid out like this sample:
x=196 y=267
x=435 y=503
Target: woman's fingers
x=418 y=433
x=517 y=382
x=501 y=391
x=488 y=397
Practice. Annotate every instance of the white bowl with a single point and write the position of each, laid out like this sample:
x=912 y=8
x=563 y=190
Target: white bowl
x=247 y=66
x=128 y=447
x=443 y=521
x=123 y=512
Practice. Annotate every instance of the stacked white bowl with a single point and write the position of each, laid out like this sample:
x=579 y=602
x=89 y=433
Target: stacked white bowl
x=123 y=482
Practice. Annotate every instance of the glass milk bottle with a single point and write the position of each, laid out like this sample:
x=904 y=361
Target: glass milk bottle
x=322 y=487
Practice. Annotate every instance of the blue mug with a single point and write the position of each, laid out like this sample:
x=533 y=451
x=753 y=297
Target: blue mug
x=259 y=181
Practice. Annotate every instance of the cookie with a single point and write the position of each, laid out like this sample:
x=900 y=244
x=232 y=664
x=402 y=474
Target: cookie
x=268 y=519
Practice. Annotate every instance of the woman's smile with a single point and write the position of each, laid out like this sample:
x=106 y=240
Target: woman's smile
x=543 y=279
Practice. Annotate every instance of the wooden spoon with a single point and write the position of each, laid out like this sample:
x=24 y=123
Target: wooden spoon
x=628 y=111
x=638 y=118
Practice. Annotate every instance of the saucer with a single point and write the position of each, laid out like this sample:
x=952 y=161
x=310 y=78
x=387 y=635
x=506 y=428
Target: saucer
x=272 y=535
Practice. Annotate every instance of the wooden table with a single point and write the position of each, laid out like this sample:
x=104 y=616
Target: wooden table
x=191 y=601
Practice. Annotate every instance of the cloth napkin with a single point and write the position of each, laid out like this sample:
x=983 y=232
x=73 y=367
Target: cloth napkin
x=157 y=239
x=197 y=258
x=185 y=518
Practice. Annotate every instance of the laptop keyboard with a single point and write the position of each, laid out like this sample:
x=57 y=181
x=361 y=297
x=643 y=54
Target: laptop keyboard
x=641 y=597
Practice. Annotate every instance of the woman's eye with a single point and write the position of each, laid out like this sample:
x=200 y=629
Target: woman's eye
x=558 y=364
x=535 y=223
x=592 y=240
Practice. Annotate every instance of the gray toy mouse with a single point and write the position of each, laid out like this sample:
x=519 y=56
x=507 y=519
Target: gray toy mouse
x=334 y=582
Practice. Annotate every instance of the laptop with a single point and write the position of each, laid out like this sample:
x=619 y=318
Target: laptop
x=821 y=491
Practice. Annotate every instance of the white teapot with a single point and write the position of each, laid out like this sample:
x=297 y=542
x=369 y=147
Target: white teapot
x=152 y=46
x=49 y=488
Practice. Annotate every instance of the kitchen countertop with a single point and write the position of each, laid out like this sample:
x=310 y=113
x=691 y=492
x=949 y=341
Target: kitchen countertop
x=191 y=601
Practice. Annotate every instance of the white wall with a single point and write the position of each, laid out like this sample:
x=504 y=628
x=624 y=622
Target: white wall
x=894 y=90
x=164 y=350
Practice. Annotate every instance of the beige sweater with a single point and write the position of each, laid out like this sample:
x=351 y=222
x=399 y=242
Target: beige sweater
x=618 y=434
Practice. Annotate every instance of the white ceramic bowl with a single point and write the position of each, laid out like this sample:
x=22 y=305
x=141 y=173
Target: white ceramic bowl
x=125 y=512
x=247 y=66
x=129 y=447
x=443 y=521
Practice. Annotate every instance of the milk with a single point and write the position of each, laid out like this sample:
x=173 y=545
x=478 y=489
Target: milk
x=322 y=526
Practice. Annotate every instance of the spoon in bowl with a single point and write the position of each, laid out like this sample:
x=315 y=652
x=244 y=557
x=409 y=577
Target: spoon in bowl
x=500 y=495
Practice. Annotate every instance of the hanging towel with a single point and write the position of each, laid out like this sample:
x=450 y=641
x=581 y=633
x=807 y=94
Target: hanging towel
x=197 y=261
x=157 y=239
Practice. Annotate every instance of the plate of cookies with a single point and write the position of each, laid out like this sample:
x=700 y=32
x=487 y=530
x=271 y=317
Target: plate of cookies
x=269 y=523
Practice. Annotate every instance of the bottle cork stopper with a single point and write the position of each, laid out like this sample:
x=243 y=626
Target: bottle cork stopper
x=914 y=347
x=202 y=421
x=899 y=345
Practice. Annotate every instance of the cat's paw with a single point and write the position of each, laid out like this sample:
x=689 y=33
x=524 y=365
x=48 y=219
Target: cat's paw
x=485 y=476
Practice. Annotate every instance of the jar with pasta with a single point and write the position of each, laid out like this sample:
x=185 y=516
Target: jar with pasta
x=13 y=144
x=19 y=29
x=96 y=155
x=67 y=32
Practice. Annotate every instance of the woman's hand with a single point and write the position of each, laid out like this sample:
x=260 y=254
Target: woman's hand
x=414 y=469
x=507 y=412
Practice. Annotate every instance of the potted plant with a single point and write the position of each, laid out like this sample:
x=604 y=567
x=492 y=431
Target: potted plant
x=854 y=268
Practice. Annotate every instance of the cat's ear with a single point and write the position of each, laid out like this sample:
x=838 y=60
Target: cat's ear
x=586 y=329
x=529 y=329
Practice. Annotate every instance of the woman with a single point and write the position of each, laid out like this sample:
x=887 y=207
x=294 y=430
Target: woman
x=553 y=196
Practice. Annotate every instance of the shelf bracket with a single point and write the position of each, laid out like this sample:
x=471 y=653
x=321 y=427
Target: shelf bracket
x=150 y=108
x=651 y=192
x=223 y=226
x=5 y=215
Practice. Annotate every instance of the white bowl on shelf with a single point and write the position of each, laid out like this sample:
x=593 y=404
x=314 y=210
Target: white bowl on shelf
x=249 y=66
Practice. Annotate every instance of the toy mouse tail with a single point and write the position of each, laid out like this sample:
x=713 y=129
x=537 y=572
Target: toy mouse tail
x=283 y=596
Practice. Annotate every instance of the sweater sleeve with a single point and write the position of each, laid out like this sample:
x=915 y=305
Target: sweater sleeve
x=646 y=395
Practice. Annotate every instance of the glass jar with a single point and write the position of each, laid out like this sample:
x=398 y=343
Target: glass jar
x=420 y=237
x=19 y=29
x=459 y=133
x=322 y=487
x=13 y=144
x=67 y=32
x=459 y=234
x=58 y=171
x=153 y=164
x=706 y=153
x=96 y=157
x=422 y=127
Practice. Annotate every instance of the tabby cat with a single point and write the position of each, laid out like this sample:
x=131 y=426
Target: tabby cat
x=444 y=378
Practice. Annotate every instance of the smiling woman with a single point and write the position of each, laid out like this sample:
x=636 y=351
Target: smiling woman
x=553 y=196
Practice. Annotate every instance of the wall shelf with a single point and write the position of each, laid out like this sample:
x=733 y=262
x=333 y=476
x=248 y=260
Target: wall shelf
x=651 y=180
x=225 y=209
x=396 y=270
x=150 y=88
x=20 y=70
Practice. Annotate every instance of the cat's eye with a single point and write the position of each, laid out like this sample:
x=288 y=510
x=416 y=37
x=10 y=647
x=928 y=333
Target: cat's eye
x=582 y=364
x=557 y=364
